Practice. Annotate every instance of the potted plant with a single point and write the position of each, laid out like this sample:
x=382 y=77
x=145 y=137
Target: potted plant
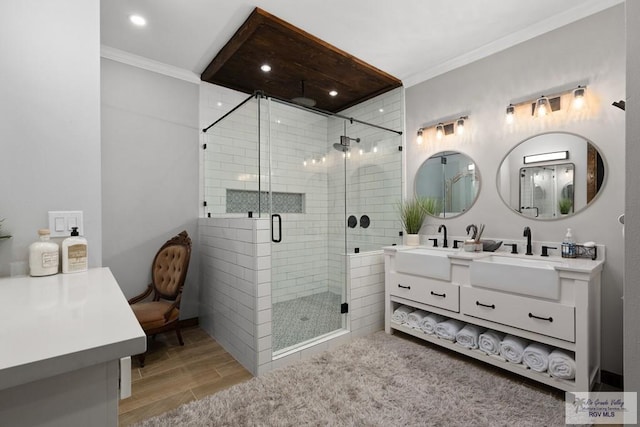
x=413 y=213
x=565 y=205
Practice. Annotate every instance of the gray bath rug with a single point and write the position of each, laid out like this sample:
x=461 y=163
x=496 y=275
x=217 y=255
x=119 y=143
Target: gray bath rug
x=380 y=380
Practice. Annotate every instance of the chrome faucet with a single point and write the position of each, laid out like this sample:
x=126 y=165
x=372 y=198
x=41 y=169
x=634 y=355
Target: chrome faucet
x=444 y=227
x=527 y=234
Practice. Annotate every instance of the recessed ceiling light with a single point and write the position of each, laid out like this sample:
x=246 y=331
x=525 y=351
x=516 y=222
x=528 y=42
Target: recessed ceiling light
x=333 y=93
x=138 y=20
x=381 y=110
x=266 y=68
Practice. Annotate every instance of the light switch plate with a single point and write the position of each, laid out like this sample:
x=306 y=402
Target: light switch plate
x=60 y=223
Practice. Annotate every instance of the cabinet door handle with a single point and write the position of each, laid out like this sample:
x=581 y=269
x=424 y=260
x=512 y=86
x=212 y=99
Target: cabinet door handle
x=404 y=287
x=550 y=319
x=438 y=295
x=492 y=306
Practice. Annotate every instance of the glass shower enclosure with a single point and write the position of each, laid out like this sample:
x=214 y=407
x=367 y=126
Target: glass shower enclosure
x=329 y=185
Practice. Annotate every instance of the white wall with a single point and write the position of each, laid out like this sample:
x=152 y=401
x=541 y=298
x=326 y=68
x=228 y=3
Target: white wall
x=149 y=173
x=49 y=121
x=592 y=49
x=632 y=211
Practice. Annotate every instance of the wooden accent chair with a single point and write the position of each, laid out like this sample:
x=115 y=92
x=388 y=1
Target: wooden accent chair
x=168 y=272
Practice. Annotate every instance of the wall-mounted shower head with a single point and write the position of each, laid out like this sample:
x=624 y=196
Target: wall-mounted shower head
x=344 y=140
x=344 y=144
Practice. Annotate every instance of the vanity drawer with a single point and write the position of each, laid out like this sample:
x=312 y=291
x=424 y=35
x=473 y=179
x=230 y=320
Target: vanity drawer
x=425 y=290
x=542 y=317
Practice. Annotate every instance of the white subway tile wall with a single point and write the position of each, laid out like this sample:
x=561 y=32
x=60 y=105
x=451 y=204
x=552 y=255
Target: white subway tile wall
x=235 y=302
x=366 y=287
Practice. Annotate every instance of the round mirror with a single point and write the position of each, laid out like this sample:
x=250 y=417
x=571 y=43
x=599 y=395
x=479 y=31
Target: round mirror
x=448 y=182
x=550 y=176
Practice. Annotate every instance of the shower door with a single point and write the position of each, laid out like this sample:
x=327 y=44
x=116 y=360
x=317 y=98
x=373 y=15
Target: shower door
x=333 y=186
x=299 y=172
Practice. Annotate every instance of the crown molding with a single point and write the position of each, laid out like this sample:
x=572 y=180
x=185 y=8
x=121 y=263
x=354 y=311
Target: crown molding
x=560 y=20
x=148 y=64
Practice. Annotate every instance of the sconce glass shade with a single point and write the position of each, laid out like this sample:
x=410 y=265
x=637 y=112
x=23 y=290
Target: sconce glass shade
x=419 y=138
x=578 y=97
x=510 y=113
x=439 y=131
x=460 y=126
x=543 y=107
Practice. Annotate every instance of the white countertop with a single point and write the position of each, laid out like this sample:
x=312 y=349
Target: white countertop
x=56 y=324
x=578 y=265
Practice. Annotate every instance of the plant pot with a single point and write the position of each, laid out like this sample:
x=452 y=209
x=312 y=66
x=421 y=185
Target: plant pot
x=412 y=240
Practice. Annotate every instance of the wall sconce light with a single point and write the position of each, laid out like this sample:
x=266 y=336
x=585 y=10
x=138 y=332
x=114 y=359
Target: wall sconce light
x=546 y=157
x=578 y=97
x=443 y=128
x=545 y=105
x=511 y=111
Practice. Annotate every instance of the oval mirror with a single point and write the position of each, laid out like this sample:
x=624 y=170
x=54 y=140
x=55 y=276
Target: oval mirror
x=449 y=183
x=550 y=176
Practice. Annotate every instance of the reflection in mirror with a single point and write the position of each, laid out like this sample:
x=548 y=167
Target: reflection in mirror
x=551 y=189
x=450 y=180
x=546 y=191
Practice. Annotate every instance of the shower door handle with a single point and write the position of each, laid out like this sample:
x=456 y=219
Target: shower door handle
x=273 y=237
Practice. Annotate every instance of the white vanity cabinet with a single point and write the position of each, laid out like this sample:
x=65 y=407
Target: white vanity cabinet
x=570 y=320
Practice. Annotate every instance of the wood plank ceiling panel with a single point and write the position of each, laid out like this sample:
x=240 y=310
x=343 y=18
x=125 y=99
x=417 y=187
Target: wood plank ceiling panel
x=295 y=56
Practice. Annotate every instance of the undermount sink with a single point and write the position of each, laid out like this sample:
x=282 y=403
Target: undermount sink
x=532 y=277
x=427 y=262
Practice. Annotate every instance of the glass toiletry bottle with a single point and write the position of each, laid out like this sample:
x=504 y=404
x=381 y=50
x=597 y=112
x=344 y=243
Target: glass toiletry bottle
x=568 y=246
x=74 y=253
x=43 y=255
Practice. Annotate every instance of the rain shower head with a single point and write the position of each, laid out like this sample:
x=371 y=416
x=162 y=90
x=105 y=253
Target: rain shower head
x=303 y=100
x=340 y=147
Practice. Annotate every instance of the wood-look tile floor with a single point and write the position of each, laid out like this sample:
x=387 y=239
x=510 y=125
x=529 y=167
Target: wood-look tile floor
x=174 y=374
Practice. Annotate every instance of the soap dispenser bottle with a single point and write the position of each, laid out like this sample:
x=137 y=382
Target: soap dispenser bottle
x=43 y=255
x=568 y=245
x=74 y=253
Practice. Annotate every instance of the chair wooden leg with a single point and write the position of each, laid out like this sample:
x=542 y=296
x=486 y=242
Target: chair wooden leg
x=141 y=359
x=178 y=334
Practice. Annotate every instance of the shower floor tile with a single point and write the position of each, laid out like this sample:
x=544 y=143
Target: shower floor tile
x=301 y=319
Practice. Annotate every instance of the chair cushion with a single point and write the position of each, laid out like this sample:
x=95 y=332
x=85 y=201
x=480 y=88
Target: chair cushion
x=168 y=269
x=151 y=314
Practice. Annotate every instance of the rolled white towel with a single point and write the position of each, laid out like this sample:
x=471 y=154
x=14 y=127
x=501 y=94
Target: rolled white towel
x=489 y=341
x=562 y=364
x=448 y=329
x=536 y=356
x=512 y=348
x=468 y=336
x=401 y=314
x=428 y=324
x=415 y=317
